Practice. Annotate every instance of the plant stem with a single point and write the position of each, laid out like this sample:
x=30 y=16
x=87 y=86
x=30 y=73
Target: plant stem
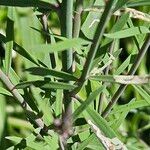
x=47 y=38
x=132 y=71
x=66 y=30
x=38 y=121
x=67 y=61
x=77 y=18
x=96 y=40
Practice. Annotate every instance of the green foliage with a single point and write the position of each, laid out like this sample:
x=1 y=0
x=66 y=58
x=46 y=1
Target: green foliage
x=63 y=63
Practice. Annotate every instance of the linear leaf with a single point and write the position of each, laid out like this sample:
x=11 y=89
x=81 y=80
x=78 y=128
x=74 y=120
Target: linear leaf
x=26 y=3
x=123 y=66
x=127 y=107
x=60 y=46
x=43 y=105
x=117 y=27
x=51 y=72
x=143 y=93
x=45 y=85
x=122 y=79
x=136 y=3
x=85 y=104
x=5 y=92
x=2 y=118
x=84 y=144
x=101 y=123
x=20 y=50
x=9 y=38
x=117 y=122
x=128 y=32
x=14 y=139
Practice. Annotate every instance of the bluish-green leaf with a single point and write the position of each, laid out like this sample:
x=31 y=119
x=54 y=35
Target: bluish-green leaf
x=128 y=32
x=85 y=104
x=137 y=3
x=5 y=92
x=25 y=3
x=51 y=72
x=45 y=85
x=143 y=93
x=9 y=38
x=25 y=53
x=60 y=46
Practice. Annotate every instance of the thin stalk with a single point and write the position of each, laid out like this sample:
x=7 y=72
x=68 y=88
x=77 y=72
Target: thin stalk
x=38 y=121
x=66 y=30
x=66 y=17
x=102 y=95
x=95 y=44
x=48 y=38
x=77 y=18
x=96 y=40
x=77 y=25
x=132 y=71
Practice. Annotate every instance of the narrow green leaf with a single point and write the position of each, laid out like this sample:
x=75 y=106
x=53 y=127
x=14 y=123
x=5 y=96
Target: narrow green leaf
x=85 y=104
x=36 y=145
x=84 y=144
x=9 y=38
x=137 y=3
x=51 y=72
x=50 y=34
x=127 y=107
x=14 y=139
x=2 y=118
x=52 y=140
x=43 y=105
x=128 y=32
x=45 y=85
x=60 y=46
x=120 y=4
x=122 y=116
x=117 y=27
x=101 y=123
x=122 y=79
x=143 y=93
x=20 y=50
x=5 y=92
x=123 y=66
x=26 y=3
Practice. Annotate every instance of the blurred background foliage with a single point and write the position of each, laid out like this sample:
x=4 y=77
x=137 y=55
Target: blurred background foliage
x=135 y=129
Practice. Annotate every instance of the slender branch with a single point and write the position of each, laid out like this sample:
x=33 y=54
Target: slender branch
x=96 y=40
x=38 y=121
x=132 y=71
x=77 y=18
x=94 y=46
x=47 y=38
x=67 y=61
x=66 y=29
x=77 y=25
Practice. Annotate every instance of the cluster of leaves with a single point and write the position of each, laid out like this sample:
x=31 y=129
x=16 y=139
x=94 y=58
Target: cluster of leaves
x=71 y=82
